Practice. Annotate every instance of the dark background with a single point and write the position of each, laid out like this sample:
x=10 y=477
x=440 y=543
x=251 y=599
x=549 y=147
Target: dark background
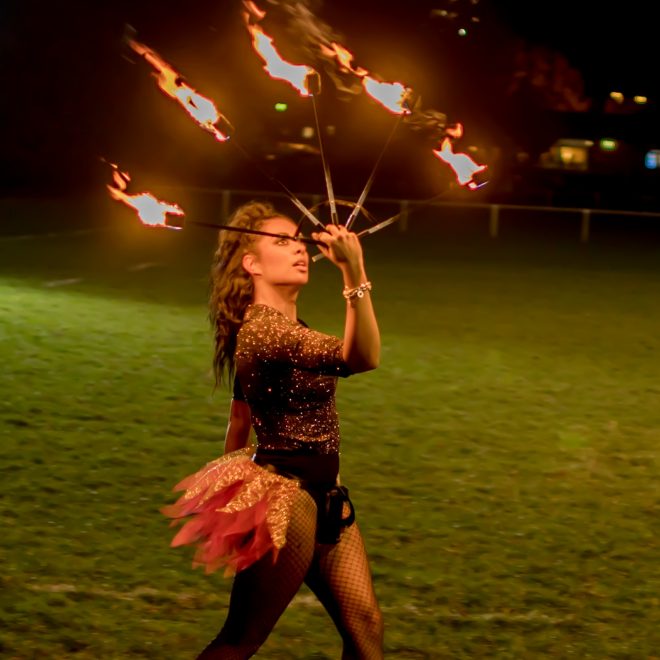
x=72 y=93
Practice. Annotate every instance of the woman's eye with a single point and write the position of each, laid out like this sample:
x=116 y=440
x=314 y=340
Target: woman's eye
x=283 y=241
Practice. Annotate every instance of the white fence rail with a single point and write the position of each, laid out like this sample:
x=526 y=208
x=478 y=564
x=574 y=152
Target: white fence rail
x=407 y=206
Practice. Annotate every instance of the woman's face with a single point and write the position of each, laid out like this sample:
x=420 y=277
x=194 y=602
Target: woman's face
x=280 y=261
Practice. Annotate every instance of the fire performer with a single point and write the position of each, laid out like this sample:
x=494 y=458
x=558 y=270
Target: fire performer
x=276 y=515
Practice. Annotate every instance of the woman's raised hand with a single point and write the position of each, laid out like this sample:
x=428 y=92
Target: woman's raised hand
x=342 y=246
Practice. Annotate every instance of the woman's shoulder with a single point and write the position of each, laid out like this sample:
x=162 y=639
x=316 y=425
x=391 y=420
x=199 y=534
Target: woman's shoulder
x=257 y=313
x=263 y=320
x=269 y=335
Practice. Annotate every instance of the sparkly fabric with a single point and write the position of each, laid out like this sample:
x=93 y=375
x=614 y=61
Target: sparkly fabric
x=288 y=375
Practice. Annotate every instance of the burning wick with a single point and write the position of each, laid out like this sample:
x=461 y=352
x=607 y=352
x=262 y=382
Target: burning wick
x=200 y=108
x=392 y=96
x=464 y=167
x=151 y=211
x=297 y=75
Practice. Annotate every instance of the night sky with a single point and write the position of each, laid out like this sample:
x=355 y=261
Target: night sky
x=614 y=48
x=73 y=92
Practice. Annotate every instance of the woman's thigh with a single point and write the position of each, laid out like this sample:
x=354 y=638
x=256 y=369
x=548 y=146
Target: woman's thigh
x=261 y=593
x=341 y=578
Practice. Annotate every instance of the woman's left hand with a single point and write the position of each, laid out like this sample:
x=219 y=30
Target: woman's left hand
x=342 y=246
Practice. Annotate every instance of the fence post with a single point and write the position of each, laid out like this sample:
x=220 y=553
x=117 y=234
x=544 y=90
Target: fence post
x=584 y=229
x=494 y=222
x=403 y=212
x=224 y=204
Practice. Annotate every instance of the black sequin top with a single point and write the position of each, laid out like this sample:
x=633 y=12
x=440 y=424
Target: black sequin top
x=288 y=376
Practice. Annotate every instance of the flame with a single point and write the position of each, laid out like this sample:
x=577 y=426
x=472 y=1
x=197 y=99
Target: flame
x=455 y=131
x=345 y=59
x=464 y=167
x=297 y=75
x=254 y=11
x=151 y=211
x=393 y=96
x=200 y=108
x=390 y=95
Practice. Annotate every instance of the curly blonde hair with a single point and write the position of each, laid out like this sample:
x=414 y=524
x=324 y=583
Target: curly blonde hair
x=232 y=289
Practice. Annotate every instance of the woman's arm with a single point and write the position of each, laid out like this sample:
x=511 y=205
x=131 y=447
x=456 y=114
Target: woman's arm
x=238 y=427
x=361 y=350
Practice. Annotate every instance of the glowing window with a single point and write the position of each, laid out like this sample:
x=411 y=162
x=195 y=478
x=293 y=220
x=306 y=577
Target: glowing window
x=573 y=157
x=608 y=144
x=567 y=154
x=652 y=159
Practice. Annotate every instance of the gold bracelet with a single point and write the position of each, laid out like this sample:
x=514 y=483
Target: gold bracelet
x=358 y=291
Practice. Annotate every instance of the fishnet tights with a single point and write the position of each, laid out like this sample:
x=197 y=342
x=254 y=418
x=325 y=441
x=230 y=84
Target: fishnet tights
x=338 y=574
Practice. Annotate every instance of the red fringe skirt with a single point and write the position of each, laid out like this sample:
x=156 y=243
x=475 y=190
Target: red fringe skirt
x=237 y=512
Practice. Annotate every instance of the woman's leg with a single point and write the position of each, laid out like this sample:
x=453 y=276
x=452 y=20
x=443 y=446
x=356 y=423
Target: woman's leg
x=341 y=579
x=261 y=593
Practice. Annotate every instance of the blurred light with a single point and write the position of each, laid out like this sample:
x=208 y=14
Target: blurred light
x=567 y=154
x=608 y=144
x=281 y=107
x=616 y=96
x=640 y=100
x=331 y=130
x=462 y=32
x=307 y=132
x=652 y=159
x=573 y=157
x=475 y=19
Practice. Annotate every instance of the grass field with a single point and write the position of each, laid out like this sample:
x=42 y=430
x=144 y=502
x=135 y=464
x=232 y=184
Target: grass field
x=503 y=460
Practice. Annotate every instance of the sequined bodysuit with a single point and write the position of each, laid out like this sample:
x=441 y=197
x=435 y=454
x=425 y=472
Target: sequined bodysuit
x=288 y=375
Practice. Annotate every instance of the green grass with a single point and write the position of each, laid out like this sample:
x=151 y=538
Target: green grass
x=503 y=460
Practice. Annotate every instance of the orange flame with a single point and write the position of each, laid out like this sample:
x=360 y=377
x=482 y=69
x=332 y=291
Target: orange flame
x=345 y=59
x=390 y=95
x=297 y=75
x=151 y=211
x=255 y=12
x=464 y=167
x=200 y=108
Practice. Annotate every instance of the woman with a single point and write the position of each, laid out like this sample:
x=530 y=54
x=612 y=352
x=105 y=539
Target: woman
x=276 y=516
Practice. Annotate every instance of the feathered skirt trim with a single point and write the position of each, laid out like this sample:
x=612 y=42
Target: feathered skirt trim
x=238 y=512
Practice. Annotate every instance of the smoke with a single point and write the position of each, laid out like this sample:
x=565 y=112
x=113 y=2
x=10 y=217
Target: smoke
x=315 y=42
x=313 y=38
